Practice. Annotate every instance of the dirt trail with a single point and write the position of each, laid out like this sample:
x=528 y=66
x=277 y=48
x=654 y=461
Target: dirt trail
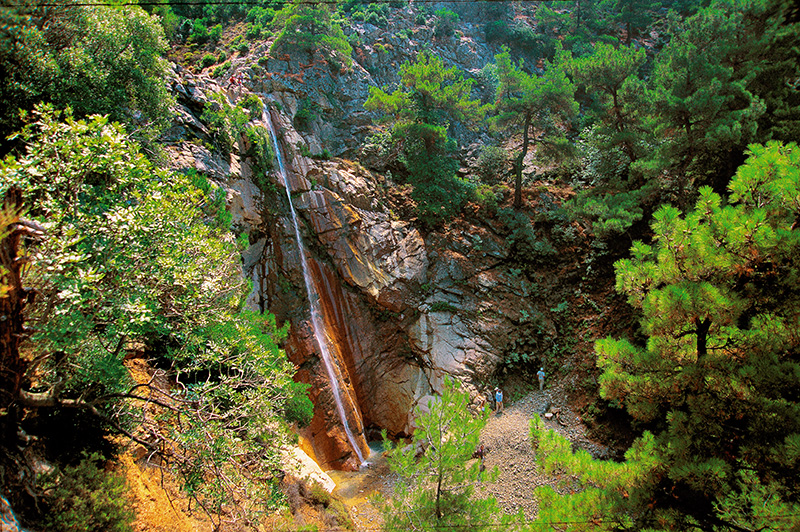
x=506 y=438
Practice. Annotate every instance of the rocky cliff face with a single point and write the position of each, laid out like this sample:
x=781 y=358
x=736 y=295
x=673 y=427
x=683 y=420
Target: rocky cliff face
x=402 y=309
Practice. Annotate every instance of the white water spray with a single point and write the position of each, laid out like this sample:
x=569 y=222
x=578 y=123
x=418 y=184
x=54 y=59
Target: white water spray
x=313 y=297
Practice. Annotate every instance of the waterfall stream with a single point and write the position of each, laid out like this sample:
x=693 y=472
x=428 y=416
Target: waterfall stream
x=317 y=323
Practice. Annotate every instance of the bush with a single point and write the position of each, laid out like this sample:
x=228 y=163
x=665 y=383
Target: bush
x=299 y=408
x=487 y=197
x=526 y=248
x=243 y=49
x=263 y=155
x=215 y=32
x=446 y=22
x=253 y=104
x=207 y=61
x=253 y=31
x=219 y=70
x=86 y=498
x=199 y=32
x=492 y=163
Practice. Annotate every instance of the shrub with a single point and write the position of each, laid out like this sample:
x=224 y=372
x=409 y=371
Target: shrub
x=243 y=49
x=199 y=32
x=215 y=32
x=219 y=70
x=263 y=155
x=526 y=248
x=420 y=20
x=299 y=408
x=253 y=104
x=207 y=61
x=307 y=113
x=492 y=163
x=85 y=497
x=486 y=197
x=222 y=57
x=446 y=22
x=253 y=31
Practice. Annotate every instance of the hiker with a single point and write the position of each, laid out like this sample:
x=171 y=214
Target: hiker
x=540 y=374
x=498 y=399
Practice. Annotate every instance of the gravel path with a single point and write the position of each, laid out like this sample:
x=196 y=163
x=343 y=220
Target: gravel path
x=507 y=441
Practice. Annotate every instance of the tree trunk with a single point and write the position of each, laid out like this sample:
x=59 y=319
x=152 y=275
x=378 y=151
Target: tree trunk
x=12 y=327
x=519 y=161
x=702 y=328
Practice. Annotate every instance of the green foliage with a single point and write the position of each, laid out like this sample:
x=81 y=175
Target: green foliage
x=436 y=490
x=634 y=15
x=309 y=27
x=220 y=70
x=445 y=24
x=432 y=97
x=709 y=117
x=138 y=256
x=225 y=122
x=262 y=154
x=307 y=112
x=443 y=306
x=492 y=164
x=488 y=197
x=96 y=59
x=85 y=497
x=207 y=60
x=299 y=408
x=611 y=214
x=610 y=73
x=717 y=378
x=522 y=100
x=260 y=15
x=525 y=247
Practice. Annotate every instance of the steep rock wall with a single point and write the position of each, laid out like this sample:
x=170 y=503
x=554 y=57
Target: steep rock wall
x=403 y=309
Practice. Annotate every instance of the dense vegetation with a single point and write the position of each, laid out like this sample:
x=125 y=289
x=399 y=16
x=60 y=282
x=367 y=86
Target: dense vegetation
x=682 y=114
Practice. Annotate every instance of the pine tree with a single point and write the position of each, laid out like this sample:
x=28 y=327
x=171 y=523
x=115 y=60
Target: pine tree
x=529 y=101
x=717 y=380
x=707 y=112
x=432 y=98
x=437 y=488
x=611 y=73
x=635 y=15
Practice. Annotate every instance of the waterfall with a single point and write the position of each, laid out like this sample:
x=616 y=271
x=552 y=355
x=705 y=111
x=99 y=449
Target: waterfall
x=317 y=323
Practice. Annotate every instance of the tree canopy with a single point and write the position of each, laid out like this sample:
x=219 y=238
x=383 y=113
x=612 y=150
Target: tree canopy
x=95 y=59
x=131 y=258
x=432 y=98
x=717 y=380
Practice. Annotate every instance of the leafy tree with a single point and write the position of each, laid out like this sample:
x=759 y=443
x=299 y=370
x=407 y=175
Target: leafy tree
x=716 y=382
x=525 y=100
x=432 y=96
x=131 y=257
x=96 y=59
x=437 y=489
